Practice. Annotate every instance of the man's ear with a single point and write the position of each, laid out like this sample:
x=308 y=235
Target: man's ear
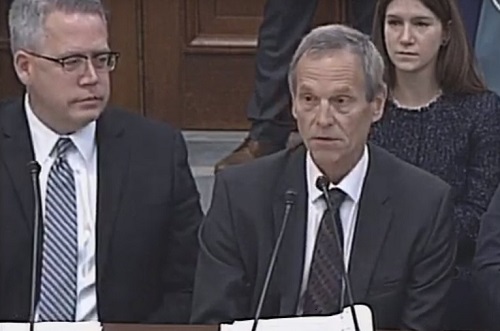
x=294 y=108
x=378 y=104
x=22 y=66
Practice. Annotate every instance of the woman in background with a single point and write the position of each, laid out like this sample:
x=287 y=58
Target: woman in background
x=440 y=117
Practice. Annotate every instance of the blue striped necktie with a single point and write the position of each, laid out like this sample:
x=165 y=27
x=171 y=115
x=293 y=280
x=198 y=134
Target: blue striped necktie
x=60 y=242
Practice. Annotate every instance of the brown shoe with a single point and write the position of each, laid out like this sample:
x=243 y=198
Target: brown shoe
x=248 y=150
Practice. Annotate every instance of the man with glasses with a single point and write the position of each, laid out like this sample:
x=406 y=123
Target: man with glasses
x=119 y=206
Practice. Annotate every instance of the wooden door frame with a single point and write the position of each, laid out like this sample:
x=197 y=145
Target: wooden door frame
x=172 y=36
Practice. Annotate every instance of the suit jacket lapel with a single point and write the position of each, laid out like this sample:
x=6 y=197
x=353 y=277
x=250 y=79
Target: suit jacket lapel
x=374 y=217
x=17 y=151
x=290 y=261
x=113 y=163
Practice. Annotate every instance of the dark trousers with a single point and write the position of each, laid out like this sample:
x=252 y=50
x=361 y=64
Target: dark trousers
x=463 y=306
x=285 y=23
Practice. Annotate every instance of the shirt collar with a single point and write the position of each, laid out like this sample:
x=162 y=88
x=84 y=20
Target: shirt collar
x=351 y=184
x=44 y=138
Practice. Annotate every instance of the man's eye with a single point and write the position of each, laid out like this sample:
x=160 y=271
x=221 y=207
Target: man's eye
x=103 y=59
x=342 y=100
x=308 y=97
x=72 y=61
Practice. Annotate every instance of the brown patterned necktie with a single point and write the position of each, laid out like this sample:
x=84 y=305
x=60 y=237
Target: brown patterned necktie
x=324 y=287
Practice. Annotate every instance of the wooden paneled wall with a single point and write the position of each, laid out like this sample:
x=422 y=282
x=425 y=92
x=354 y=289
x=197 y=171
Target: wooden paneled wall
x=9 y=84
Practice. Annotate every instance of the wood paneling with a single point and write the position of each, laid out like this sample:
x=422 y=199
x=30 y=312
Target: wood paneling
x=216 y=94
x=125 y=23
x=228 y=8
x=9 y=84
x=213 y=23
x=218 y=59
x=163 y=67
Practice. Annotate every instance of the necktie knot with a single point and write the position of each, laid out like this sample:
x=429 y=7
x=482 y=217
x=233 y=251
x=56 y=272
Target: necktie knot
x=62 y=146
x=337 y=196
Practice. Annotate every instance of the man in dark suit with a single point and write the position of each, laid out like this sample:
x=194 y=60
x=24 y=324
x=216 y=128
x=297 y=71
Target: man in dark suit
x=284 y=23
x=397 y=238
x=120 y=209
x=487 y=263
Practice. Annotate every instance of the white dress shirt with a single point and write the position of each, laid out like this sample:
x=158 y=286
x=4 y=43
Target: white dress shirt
x=352 y=186
x=83 y=161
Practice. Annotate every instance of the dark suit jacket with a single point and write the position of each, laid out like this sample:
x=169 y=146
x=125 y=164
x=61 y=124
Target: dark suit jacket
x=487 y=263
x=148 y=214
x=402 y=255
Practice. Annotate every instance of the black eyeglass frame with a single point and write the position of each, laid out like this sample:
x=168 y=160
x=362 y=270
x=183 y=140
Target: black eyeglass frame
x=62 y=61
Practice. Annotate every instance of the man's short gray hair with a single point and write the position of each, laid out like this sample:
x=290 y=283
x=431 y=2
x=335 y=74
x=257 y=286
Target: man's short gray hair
x=27 y=18
x=328 y=38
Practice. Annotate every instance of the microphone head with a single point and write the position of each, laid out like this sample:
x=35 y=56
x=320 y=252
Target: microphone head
x=34 y=167
x=322 y=183
x=290 y=196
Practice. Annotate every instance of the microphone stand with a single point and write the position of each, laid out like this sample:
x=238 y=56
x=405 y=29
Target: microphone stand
x=34 y=169
x=289 y=202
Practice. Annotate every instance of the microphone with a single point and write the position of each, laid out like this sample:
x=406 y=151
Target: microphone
x=34 y=169
x=289 y=202
x=322 y=184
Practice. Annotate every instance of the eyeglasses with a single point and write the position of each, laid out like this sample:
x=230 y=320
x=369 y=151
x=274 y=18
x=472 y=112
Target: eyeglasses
x=104 y=62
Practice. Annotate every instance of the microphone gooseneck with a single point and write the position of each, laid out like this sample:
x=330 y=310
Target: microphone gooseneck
x=290 y=196
x=34 y=170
